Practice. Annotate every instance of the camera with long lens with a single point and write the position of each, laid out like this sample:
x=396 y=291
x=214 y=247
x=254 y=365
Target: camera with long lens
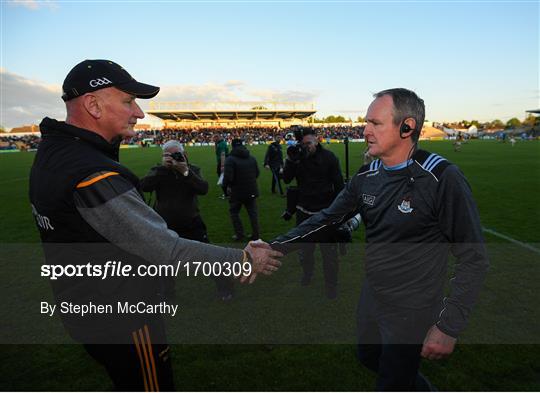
x=296 y=152
x=178 y=156
x=299 y=132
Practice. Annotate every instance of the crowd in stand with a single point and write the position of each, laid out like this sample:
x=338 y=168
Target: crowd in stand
x=199 y=135
x=206 y=135
x=22 y=142
x=248 y=134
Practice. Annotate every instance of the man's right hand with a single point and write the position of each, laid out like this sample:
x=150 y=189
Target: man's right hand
x=263 y=259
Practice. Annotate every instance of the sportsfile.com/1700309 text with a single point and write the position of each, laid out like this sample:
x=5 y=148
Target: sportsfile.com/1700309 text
x=120 y=269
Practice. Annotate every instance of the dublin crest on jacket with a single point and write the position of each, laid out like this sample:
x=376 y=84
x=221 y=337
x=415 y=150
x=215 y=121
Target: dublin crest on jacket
x=405 y=206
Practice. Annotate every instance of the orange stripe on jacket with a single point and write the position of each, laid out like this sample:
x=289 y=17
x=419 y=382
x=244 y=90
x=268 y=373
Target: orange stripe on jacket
x=95 y=179
x=146 y=361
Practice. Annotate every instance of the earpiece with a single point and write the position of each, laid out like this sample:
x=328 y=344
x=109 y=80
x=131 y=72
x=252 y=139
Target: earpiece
x=405 y=128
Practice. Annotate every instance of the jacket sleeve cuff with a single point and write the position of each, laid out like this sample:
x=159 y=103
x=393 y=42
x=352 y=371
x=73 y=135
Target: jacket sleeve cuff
x=447 y=331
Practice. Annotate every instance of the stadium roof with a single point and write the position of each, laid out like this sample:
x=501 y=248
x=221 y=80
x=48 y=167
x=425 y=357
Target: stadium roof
x=535 y=111
x=231 y=110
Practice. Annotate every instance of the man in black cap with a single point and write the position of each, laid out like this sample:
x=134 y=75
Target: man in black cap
x=89 y=210
x=241 y=173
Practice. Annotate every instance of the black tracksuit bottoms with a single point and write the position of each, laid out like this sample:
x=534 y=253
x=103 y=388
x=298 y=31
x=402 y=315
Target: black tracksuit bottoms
x=390 y=340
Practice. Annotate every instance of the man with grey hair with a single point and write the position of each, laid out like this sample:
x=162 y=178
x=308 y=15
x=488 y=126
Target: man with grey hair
x=95 y=214
x=177 y=183
x=417 y=209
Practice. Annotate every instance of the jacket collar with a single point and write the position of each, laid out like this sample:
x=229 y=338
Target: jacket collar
x=54 y=128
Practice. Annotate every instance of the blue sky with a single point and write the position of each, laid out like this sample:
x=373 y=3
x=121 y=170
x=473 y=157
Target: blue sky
x=468 y=60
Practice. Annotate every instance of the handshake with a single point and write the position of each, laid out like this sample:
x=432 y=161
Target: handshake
x=263 y=260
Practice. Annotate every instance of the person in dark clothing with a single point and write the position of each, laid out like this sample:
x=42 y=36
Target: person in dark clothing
x=222 y=151
x=177 y=183
x=417 y=209
x=319 y=179
x=273 y=160
x=241 y=173
x=89 y=210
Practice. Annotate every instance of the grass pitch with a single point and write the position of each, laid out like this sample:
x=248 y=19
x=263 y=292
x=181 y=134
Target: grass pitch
x=505 y=183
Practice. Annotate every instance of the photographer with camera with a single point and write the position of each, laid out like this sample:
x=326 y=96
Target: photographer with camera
x=177 y=184
x=319 y=179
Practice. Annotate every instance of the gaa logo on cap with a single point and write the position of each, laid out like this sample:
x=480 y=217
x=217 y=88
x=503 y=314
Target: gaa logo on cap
x=99 y=82
x=91 y=75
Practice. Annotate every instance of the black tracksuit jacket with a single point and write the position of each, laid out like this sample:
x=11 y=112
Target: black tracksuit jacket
x=88 y=209
x=414 y=218
x=241 y=173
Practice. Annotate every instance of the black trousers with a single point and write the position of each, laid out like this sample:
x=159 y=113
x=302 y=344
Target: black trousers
x=140 y=366
x=251 y=206
x=196 y=230
x=276 y=179
x=329 y=255
x=390 y=341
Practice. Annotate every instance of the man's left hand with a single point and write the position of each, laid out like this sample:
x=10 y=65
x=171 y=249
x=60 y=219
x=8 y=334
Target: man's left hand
x=437 y=345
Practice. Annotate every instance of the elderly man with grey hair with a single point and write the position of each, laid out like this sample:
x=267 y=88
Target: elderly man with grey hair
x=177 y=184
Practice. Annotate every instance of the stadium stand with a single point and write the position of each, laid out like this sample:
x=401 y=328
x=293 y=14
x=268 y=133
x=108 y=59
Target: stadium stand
x=231 y=113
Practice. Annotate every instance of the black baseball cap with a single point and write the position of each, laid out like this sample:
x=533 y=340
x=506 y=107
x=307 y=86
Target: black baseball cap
x=92 y=75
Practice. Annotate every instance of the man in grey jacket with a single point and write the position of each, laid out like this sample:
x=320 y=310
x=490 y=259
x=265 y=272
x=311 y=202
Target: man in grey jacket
x=417 y=208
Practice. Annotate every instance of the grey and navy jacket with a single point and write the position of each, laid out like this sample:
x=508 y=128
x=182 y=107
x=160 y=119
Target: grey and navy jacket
x=88 y=208
x=414 y=217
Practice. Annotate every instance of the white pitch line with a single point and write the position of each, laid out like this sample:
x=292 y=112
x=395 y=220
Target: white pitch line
x=524 y=245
